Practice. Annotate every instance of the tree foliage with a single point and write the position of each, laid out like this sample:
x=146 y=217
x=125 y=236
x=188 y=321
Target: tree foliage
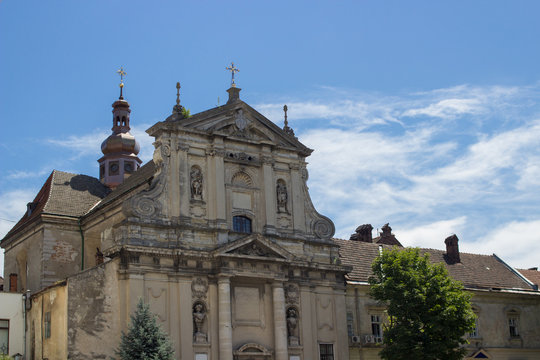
x=428 y=312
x=145 y=340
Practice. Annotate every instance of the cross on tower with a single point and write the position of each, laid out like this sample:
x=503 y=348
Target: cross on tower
x=232 y=69
x=122 y=73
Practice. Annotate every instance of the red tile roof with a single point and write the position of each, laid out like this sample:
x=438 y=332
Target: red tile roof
x=531 y=274
x=474 y=271
x=63 y=194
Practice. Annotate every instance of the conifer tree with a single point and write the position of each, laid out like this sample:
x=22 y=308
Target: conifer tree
x=145 y=340
x=429 y=313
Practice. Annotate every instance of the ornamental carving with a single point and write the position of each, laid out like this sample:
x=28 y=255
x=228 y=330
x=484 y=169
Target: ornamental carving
x=292 y=324
x=146 y=207
x=282 y=196
x=292 y=294
x=166 y=150
x=196 y=181
x=199 y=288
x=253 y=249
x=323 y=228
x=199 y=318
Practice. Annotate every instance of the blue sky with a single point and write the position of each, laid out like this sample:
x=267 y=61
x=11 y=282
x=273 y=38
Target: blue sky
x=422 y=114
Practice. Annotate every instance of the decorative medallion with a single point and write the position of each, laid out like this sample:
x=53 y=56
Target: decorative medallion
x=292 y=293
x=199 y=288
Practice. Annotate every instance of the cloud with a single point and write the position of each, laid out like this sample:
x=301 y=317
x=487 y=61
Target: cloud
x=13 y=207
x=21 y=174
x=431 y=235
x=448 y=108
x=90 y=144
x=517 y=243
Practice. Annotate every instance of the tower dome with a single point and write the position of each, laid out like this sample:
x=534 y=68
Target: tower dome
x=120 y=149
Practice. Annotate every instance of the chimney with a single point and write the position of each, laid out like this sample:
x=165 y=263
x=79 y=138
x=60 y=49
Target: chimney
x=13 y=282
x=452 y=249
x=363 y=233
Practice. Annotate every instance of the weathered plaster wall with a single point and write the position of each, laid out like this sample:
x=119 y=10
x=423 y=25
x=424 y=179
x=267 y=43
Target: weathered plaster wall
x=54 y=301
x=61 y=251
x=93 y=308
x=23 y=258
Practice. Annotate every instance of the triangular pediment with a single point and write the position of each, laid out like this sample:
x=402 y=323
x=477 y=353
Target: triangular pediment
x=239 y=121
x=254 y=245
x=480 y=354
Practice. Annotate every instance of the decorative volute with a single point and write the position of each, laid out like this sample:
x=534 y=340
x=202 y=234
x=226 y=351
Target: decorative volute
x=120 y=149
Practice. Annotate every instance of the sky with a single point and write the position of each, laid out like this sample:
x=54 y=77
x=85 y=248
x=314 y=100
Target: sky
x=422 y=114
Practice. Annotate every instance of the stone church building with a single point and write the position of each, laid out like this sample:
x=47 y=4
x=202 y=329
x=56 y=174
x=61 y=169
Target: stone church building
x=218 y=234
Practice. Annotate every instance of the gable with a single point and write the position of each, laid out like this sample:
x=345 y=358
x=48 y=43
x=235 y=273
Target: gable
x=239 y=121
x=254 y=246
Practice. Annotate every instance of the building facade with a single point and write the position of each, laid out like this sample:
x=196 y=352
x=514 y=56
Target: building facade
x=219 y=236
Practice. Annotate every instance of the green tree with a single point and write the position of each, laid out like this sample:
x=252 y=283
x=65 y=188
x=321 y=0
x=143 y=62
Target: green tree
x=145 y=340
x=428 y=312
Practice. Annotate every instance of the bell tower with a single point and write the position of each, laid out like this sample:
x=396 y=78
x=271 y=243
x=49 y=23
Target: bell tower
x=120 y=149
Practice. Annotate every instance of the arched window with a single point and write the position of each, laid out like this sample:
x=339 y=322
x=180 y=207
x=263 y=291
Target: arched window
x=242 y=224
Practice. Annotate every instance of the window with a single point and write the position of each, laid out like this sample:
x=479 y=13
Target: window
x=376 y=328
x=242 y=224
x=47 y=325
x=326 y=351
x=474 y=333
x=513 y=325
x=4 y=337
x=350 y=324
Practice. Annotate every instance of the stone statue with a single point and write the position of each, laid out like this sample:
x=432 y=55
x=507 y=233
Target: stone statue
x=199 y=315
x=292 y=322
x=196 y=183
x=281 y=192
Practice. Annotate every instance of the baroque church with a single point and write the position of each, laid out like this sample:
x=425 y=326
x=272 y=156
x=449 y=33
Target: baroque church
x=218 y=234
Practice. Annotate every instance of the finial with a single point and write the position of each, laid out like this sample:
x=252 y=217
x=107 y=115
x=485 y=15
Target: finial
x=232 y=69
x=122 y=73
x=286 y=127
x=177 y=109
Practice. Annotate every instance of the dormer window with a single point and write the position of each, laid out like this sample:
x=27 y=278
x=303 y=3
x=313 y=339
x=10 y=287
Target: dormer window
x=242 y=224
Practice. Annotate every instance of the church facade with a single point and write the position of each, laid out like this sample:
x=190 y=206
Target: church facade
x=219 y=236
x=217 y=233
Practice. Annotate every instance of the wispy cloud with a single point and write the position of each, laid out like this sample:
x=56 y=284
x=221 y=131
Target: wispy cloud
x=461 y=160
x=90 y=144
x=13 y=207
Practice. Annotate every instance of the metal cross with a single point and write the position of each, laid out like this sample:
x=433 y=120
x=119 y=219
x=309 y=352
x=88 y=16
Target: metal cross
x=232 y=69
x=122 y=73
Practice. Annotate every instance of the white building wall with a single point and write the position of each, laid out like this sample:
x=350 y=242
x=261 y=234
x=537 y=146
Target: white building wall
x=12 y=309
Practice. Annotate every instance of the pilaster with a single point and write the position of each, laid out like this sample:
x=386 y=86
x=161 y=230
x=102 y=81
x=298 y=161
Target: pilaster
x=280 y=321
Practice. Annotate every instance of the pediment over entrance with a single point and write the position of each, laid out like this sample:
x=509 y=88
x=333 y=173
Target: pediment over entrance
x=252 y=351
x=254 y=246
x=480 y=354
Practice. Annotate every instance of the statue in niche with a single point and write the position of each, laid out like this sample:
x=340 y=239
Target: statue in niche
x=199 y=315
x=281 y=192
x=196 y=183
x=292 y=322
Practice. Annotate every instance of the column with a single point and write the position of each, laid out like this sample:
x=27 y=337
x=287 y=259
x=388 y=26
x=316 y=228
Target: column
x=224 y=319
x=280 y=321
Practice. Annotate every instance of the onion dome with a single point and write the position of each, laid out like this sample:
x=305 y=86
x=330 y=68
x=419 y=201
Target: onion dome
x=121 y=140
x=120 y=149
